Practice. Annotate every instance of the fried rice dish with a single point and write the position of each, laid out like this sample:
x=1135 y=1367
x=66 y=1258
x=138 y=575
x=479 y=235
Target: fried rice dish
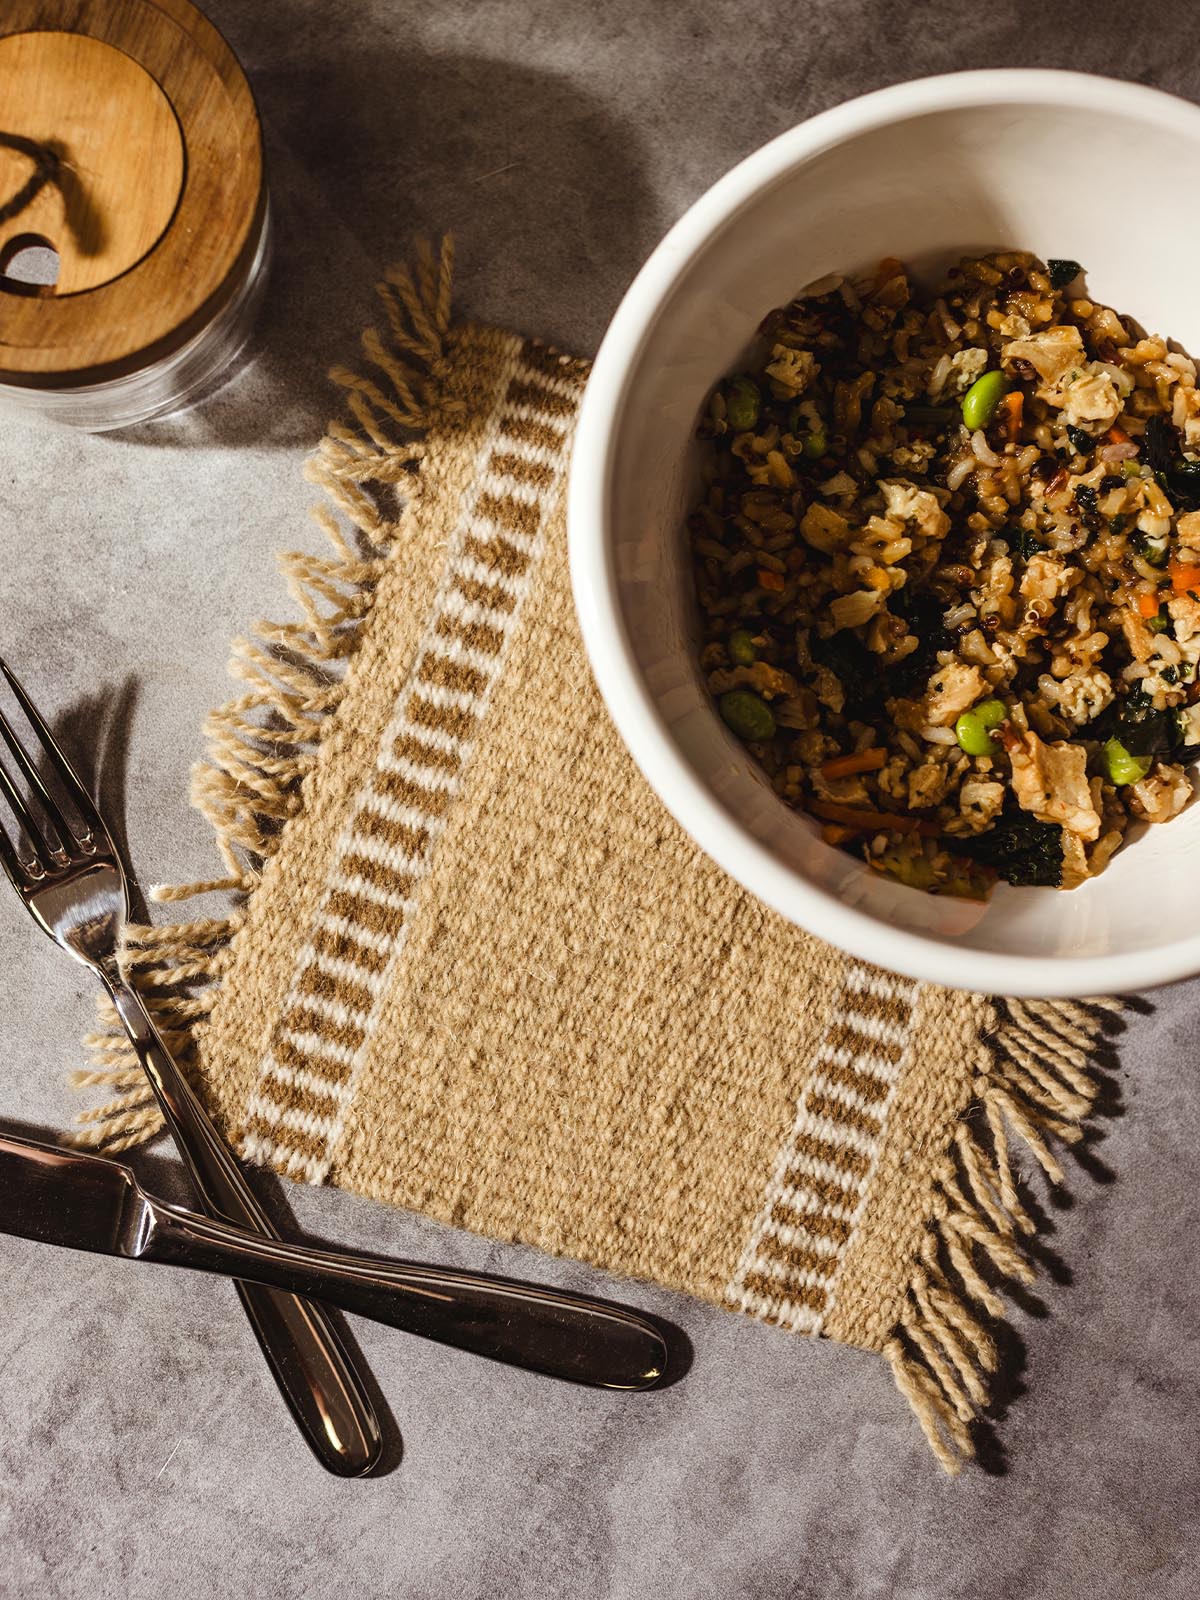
x=947 y=564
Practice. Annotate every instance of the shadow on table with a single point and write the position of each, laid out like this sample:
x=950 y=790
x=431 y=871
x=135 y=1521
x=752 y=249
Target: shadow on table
x=373 y=148
x=1007 y=1383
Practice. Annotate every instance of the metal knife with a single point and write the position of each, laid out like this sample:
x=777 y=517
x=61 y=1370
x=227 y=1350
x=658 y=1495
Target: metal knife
x=83 y=1202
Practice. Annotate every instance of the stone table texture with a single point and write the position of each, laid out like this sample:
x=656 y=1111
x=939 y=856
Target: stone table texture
x=145 y=1450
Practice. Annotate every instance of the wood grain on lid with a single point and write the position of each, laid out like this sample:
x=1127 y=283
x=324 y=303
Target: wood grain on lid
x=160 y=199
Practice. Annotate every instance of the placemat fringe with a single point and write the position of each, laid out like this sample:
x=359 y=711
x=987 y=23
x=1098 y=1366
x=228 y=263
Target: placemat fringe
x=1034 y=1080
x=262 y=744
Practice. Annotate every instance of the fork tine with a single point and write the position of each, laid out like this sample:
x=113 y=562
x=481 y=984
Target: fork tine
x=17 y=875
x=33 y=777
x=41 y=851
x=80 y=797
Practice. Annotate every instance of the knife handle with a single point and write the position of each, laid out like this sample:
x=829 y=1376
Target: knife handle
x=523 y=1324
x=303 y=1348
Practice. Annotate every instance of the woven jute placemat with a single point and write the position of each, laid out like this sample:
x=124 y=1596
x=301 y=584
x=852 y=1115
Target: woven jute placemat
x=474 y=969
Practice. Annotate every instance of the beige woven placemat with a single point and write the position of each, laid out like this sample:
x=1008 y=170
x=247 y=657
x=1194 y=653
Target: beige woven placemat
x=476 y=970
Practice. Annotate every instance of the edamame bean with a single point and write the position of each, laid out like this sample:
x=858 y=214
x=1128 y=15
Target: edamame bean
x=815 y=446
x=982 y=398
x=741 y=648
x=973 y=727
x=1121 y=765
x=743 y=404
x=749 y=717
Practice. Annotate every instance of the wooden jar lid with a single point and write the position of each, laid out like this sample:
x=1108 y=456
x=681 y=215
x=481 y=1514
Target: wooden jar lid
x=131 y=131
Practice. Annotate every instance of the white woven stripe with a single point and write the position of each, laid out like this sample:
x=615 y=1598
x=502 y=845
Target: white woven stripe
x=461 y=654
x=312 y=1044
x=837 y=1133
x=432 y=738
x=347 y=971
x=446 y=699
x=844 y=1095
x=346 y=928
x=335 y=1011
x=397 y=811
x=787 y=1313
x=473 y=613
x=279 y=1117
x=787 y=1189
x=391 y=899
x=565 y=386
x=387 y=855
x=468 y=567
x=452 y=604
x=800 y=1238
x=858 y=1061
x=767 y=1267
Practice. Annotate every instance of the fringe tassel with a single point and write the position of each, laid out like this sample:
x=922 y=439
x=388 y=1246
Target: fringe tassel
x=262 y=744
x=1034 y=1081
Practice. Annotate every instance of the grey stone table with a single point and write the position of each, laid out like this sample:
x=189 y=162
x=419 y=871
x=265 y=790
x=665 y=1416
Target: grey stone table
x=144 y=1450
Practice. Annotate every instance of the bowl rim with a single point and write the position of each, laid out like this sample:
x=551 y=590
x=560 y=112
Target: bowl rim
x=593 y=571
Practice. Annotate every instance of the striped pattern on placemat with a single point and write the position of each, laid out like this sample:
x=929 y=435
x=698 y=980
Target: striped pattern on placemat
x=788 y=1270
x=307 y=1080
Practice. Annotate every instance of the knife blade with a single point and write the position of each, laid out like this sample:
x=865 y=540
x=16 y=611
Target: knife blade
x=84 y=1202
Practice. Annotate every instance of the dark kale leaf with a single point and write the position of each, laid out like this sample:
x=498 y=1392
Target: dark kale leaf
x=1183 y=484
x=1140 y=728
x=1020 y=848
x=922 y=611
x=930 y=419
x=1062 y=271
x=1160 y=443
x=855 y=667
x=1021 y=543
x=1080 y=438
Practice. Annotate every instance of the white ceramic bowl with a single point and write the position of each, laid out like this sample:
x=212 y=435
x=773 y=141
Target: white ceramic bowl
x=1058 y=163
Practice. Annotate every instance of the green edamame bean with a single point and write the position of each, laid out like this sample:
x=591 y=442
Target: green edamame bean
x=746 y=715
x=741 y=648
x=743 y=404
x=982 y=398
x=815 y=446
x=973 y=727
x=1121 y=765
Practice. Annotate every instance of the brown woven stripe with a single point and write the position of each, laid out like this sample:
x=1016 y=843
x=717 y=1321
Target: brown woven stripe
x=338 y=991
x=529 y=431
x=498 y=554
x=456 y=675
x=290 y=1055
x=459 y=724
x=407 y=747
x=312 y=1102
x=539 y=398
x=290 y=1140
x=366 y=914
x=796 y=1257
x=535 y=473
x=301 y=1019
x=863 y=1083
x=475 y=634
x=892 y=1008
x=834 y=1194
x=381 y=876
x=403 y=835
x=518 y=516
x=825 y=1105
x=405 y=792
x=340 y=947
x=483 y=594
x=845 y=1036
x=805 y=1294
x=832 y=1228
x=851 y=1162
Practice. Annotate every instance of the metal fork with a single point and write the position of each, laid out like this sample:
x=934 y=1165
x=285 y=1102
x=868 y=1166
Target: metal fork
x=74 y=883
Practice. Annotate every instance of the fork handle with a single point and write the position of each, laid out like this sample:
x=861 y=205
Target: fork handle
x=303 y=1348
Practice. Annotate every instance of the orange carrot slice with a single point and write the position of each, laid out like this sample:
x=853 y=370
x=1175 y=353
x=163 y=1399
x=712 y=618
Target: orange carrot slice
x=861 y=761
